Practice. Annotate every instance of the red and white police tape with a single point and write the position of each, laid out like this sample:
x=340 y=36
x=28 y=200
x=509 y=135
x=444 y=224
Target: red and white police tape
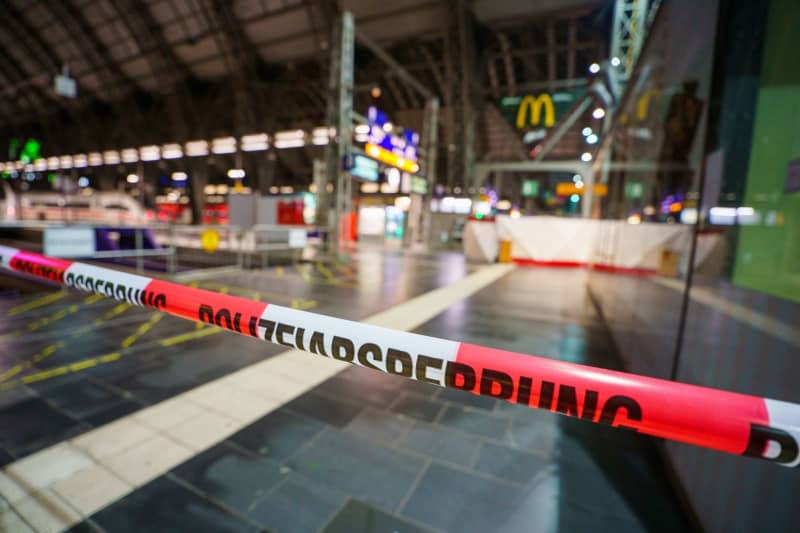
x=711 y=418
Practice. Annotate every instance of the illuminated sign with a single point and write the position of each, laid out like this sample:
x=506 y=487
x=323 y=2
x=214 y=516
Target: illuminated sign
x=419 y=185
x=530 y=188
x=65 y=86
x=391 y=158
x=535 y=104
x=538 y=111
x=400 y=141
x=569 y=188
x=634 y=189
x=365 y=168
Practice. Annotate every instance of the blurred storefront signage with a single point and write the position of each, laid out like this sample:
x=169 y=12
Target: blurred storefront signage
x=365 y=168
x=634 y=189
x=419 y=185
x=391 y=158
x=530 y=188
x=65 y=86
x=570 y=188
x=69 y=242
x=402 y=142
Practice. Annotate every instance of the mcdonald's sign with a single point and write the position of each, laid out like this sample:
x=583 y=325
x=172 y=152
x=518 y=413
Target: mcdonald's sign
x=533 y=105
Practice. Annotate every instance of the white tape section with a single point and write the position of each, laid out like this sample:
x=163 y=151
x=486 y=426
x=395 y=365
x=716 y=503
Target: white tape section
x=782 y=415
x=388 y=350
x=6 y=254
x=119 y=285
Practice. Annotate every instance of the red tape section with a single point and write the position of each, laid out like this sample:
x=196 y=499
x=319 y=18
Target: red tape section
x=229 y=312
x=711 y=418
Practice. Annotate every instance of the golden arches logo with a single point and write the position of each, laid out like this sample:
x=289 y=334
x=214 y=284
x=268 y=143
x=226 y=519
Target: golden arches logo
x=643 y=103
x=535 y=104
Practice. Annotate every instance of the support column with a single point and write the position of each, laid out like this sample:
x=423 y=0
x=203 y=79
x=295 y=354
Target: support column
x=460 y=118
x=339 y=112
x=198 y=178
x=420 y=230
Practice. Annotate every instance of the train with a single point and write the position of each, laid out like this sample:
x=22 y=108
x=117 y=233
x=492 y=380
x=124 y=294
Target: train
x=97 y=207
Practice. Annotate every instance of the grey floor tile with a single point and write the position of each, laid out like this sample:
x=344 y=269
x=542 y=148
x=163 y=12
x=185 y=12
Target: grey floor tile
x=461 y=397
x=112 y=412
x=325 y=409
x=475 y=422
x=81 y=398
x=536 y=435
x=297 y=506
x=358 y=467
x=5 y=457
x=417 y=407
x=381 y=426
x=230 y=476
x=370 y=393
x=420 y=388
x=508 y=464
x=440 y=443
x=453 y=500
x=359 y=517
x=84 y=527
x=165 y=505
x=33 y=424
x=278 y=435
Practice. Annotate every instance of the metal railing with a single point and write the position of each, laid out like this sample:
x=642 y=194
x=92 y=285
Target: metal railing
x=182 y=245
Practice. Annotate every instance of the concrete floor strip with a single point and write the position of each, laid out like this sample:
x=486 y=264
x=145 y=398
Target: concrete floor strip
x=768 y=325
x=135 y=449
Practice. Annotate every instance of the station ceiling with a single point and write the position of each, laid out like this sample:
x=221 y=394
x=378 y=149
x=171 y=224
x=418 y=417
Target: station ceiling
x=155 y=70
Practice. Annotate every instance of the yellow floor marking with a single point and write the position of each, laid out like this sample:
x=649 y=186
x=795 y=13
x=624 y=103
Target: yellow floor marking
x=347 y=269
x=115 y=311
x=91 y=362
x=303 y=272
x=202 y=330
x=44 y=353
x=177 y=339
x=38 y=302
x=327 y=273
x=11 y=372
x=74 y=308
x=141 y=330
x=279 y=271
x=70 y=368
x=273 y=296
x=299 y=303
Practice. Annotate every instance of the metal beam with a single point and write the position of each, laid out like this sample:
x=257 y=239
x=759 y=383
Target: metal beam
x=85 y=37
x=511 y=80
x=397 y=93
x=433 y=66
x=147 y=33
x=564 y=124
x=572 y=46
x=550 y=31
x=397 y=69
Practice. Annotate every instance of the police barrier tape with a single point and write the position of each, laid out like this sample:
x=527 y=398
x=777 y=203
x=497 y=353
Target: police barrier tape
x=711 y=418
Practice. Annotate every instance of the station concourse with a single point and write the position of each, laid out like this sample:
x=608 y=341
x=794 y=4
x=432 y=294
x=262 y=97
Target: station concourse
x=331 y=266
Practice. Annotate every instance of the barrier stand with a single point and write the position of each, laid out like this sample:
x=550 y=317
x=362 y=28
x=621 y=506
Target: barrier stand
x=711 y=418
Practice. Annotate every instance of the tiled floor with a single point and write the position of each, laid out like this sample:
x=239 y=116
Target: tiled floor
x=358 y=451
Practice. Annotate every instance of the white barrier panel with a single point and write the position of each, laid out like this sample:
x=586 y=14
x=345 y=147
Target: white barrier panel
x=578 y=242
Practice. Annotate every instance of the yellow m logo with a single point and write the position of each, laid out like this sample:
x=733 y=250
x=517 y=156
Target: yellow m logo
x=535 y=104
x=643 y=103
